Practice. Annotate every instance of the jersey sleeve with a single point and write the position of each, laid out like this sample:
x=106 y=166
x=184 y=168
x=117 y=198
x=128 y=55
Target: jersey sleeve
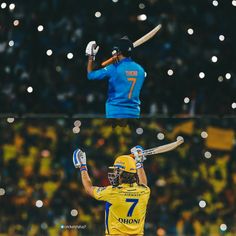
x=146 y=188
x=102 y=193
x=101 y=73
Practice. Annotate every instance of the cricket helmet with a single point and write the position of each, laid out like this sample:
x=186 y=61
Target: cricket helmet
x=123 y=163
x=123 y=46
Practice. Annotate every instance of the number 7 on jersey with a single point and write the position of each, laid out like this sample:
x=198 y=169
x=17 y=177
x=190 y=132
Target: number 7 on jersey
x=135 y=202
x=133 y=80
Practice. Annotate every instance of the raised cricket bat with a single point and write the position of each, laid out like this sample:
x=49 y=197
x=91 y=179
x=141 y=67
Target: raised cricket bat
x=163 y=148
x=137 y=43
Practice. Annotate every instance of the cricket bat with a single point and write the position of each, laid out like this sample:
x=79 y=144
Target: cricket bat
x=137 y=43
x=163 y=148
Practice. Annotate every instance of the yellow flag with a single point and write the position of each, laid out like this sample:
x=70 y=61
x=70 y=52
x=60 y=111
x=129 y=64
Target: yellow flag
x=220 y=139
x=182 y=128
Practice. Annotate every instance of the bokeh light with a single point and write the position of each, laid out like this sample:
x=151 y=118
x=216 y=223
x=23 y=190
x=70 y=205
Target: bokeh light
x=39 y=203
x=10 y=120
x=170 y=72
x=228 y=76
x=98 y=14
x=161 y=232
x=40 y=28
x=70 y=55
x=186 y=100
x=215 y=3
x=11 y=43
x=30 y=89
x=207 y=155
x=44 y=226
x=142 y=17
x=160 y=136
x=233 y=105
x=16 y=22
x=76 y=130
x=74 y=212
x=221 y=37
x=204 y=134
x=49 y=52
x=77 y=123
x=190 y=31
x=3 y=5
x=201 y=75
x=214 y=59
x=202 y=204
x=141 y=5
x=220 y=78
x=223 y=227
x=179 y=138
x=12 y=6
x=139 y=131
x=2 y=191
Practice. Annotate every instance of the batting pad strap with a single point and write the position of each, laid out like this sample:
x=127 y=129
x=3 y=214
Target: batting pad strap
x=139 y=165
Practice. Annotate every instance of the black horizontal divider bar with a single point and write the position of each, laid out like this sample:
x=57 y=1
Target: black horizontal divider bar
x=100 y=116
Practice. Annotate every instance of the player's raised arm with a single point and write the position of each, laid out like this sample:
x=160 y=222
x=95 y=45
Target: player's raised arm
x=103 y=73
x=137 y=152
x=91 y=51
x=142 y=175
x=79 y=160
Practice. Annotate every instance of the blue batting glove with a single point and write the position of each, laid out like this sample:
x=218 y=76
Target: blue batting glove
x=79 y=159
x=139 y=157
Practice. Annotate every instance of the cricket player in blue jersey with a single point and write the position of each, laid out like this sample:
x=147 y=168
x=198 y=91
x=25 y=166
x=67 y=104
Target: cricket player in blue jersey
x=125 y=78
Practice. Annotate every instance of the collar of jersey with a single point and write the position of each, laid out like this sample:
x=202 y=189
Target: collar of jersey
x=128 y=185
x=125 y=60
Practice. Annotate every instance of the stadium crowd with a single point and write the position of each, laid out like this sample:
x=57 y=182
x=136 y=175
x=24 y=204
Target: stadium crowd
x=43 y=66
x=41 y=191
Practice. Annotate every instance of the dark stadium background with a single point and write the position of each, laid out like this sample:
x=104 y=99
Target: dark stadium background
x=39 y=186
x=60 y=85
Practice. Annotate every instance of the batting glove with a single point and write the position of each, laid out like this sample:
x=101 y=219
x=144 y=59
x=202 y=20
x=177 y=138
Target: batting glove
x=139 y=157
x=79 y=159
x=92 y=49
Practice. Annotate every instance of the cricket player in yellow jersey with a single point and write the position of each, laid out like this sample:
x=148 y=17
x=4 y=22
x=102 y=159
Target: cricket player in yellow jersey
x=127 y=196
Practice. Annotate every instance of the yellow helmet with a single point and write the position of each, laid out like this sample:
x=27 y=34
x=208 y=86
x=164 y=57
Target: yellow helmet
x=125 y=163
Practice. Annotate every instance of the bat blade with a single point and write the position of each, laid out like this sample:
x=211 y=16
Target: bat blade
x=147 y=36
x=162 y=149
x=137 y=43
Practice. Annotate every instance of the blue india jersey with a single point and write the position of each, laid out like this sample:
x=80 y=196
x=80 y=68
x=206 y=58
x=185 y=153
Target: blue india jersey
x=125 y=82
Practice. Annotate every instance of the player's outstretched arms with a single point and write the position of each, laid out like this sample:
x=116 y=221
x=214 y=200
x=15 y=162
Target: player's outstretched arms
x=137 y=152
x=91 y=51
x=79 y=160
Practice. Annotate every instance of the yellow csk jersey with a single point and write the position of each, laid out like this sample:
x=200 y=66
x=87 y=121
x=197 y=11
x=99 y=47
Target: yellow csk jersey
x=125 y=208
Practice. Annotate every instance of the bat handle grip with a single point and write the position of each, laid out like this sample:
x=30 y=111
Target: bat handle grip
x=109 y=61
x=132 y=155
